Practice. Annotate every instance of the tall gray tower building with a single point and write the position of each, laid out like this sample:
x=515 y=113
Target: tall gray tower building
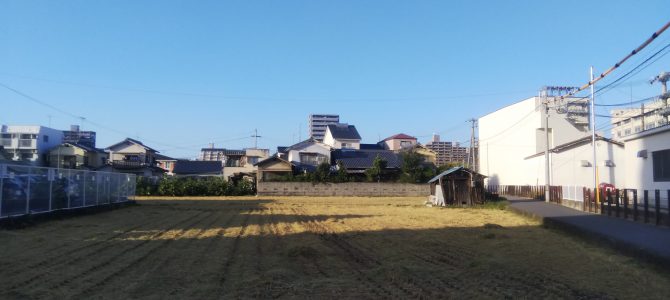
x=318 y=124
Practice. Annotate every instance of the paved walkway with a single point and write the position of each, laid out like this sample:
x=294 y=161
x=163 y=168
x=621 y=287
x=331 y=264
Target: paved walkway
x=644 y=240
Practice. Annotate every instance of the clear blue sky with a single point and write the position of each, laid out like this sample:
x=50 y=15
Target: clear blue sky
x=179 y=74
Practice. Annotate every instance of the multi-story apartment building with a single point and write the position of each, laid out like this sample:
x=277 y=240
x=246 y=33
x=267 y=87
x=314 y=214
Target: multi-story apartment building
x=629 y=121
x=318 y=124
x=29 y=143
x=76 y=136
x=447 y=152
x=212 y=154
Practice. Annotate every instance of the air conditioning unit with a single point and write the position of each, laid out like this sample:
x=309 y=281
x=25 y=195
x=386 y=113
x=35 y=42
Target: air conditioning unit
x=642 y=153
x=609 y=163
x=585 y=163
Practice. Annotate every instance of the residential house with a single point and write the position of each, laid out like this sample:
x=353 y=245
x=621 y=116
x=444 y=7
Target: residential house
x=240 y=163
x=308 y=154
x=398 y=142
x=647 y=159
x=511 y=134
x=76 y=156
x=166 y=163
x=342 y=136
x=30 y=144
x=132 y=156
x=197 y=168
x=272 y=168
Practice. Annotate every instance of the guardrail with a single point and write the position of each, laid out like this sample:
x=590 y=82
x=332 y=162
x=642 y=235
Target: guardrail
x=28 y=190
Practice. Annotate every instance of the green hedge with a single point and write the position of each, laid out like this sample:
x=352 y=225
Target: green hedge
x=193 y=186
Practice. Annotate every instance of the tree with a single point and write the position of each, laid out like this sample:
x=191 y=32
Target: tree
x=378 y=166
x=342 y=175
x=322 y=172
x=412 y=166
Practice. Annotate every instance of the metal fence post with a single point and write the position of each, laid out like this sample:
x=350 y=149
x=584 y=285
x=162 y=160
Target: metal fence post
x=646 y=206
x=2 y=186
x=83 y=177
x=657 y=206
x=28 y=191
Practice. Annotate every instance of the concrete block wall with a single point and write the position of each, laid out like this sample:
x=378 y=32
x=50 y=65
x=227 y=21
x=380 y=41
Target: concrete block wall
x=364 y=189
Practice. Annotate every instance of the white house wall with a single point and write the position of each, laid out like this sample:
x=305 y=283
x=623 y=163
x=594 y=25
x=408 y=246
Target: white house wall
x=640 y=170
x=294 y=155
x=567 y=170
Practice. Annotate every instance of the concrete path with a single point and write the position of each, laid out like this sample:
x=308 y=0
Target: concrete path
x=643 y=240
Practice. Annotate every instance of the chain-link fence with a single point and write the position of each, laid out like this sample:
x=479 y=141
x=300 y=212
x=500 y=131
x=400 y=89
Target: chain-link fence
x=31 y=190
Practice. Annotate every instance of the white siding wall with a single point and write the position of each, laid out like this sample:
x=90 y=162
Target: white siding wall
x=639 y=173
x=294 y=155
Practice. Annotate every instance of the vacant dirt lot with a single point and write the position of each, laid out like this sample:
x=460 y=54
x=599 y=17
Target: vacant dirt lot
x=311 y=248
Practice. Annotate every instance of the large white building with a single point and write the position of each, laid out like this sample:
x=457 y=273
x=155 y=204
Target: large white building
x=29 y=143
x=630 y=121
x=512 y=143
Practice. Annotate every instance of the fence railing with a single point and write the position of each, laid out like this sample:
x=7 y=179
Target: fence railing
x=31 y=190
x=636 y=205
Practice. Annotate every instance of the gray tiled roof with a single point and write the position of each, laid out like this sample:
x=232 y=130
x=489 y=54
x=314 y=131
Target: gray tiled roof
x=362 y=159
x=196 y=167
x=344 y=131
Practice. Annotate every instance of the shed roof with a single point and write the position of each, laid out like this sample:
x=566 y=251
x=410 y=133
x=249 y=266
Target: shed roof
x=452 y=170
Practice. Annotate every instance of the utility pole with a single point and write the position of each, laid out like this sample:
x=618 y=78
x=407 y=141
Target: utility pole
x=593 y=137
x=663 y=79
x=547 y=183
x=472 y=157
x=255 y=136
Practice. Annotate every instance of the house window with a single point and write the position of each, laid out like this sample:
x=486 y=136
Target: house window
x=661 y=162
x=252 y=159
x=637 y=128
x=627 y=131
x=405 y=144
x=309 y=158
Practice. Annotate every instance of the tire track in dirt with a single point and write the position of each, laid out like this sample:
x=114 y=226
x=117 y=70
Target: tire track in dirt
x=53 y=259
x=109 y=260
x=232 y=254
x=158 y=266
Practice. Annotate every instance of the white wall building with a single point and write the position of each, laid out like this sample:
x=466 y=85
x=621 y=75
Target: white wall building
x=29 y=143
x=648 y=160
x=511 y=134
x=342 y=136
x=629 y=121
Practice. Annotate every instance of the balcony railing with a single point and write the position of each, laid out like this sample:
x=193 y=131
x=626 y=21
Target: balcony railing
x=6 y=142
x=125 y=164
x=27 y=143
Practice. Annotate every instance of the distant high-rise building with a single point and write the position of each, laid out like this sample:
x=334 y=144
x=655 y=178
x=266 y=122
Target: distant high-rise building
x=318 y=124
x=447 y=152
x=76 y=136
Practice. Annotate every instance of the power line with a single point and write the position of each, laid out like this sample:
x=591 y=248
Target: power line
x=618 y=64
x=627 y=103
x=636 y=67
x=205 y=95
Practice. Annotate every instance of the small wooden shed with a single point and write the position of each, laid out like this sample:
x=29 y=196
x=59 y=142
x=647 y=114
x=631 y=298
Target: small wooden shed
x=457 y=186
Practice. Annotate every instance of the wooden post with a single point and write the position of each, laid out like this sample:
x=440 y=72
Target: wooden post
x=625 y=204
x=616 y=202
x=609 y=202
x=635 y=205
x=668 y=214
x=583 y=199
x=602 y=203
x=657 y=206
x=646 y=206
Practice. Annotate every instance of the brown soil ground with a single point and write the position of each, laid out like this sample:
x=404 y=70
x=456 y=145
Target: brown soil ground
x=312 y=248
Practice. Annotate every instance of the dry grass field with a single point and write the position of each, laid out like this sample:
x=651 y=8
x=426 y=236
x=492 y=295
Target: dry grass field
x=311 y=248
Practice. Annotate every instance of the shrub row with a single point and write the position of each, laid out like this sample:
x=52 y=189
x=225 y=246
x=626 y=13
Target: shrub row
x=193 y=186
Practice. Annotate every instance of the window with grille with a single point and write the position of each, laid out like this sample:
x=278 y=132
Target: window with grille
x=661 y=162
